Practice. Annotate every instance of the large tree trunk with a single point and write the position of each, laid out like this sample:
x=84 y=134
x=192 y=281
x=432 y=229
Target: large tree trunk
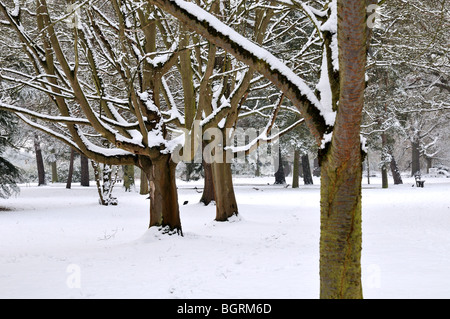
x=164 y=209
x=341 y=169
x=340 y=239
x=39 y=161
x=226 y=205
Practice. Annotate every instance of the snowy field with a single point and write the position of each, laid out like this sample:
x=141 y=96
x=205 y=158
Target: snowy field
x=59 y=243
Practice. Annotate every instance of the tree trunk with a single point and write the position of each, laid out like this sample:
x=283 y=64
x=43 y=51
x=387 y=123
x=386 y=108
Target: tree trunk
x=341 y=235
x=316 y=171
x=128 y=177
x=384 y=161
x=105 y=187
x=164 y=209
x=70 y=173
x=97 y=174
x=384 y=176
x=341 y=164
x=295 y=173
x=429 y=161
x=208 y=186
x=39 y=161
x=307 y=177
x=257 y=164
x=54 y=172
x=84 y=170
x=415 y=158
x=279 y=174
x=226 y=205
x=395 y=171
x=144 y=187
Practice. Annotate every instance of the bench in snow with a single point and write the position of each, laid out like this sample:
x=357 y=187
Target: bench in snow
x=419 y=181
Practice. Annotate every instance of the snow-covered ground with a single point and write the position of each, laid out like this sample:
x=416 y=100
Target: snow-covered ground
x=59 y=243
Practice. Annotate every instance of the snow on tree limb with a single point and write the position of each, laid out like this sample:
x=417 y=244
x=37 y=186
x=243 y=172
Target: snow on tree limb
x=252 y=54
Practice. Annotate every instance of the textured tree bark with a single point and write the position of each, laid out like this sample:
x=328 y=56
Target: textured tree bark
x=144 y=187
x=341 y=235
x=226 y=205
x=164 y=209
x=341 y=172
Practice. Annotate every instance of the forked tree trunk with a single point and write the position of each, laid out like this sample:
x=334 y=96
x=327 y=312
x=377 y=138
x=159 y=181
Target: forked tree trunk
x=164 y=209
x=226 y=205
x=341 y=169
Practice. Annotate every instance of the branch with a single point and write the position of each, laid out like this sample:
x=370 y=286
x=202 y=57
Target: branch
x=256 y=57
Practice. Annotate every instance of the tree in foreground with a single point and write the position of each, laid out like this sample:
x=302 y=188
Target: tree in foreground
x=333 y=117
x=102 y=86
x=123 y=106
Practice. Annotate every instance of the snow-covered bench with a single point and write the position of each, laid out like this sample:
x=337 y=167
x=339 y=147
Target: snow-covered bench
x=419 y=181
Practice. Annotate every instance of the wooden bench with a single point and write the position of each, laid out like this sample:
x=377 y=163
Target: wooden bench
x=419 y=181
